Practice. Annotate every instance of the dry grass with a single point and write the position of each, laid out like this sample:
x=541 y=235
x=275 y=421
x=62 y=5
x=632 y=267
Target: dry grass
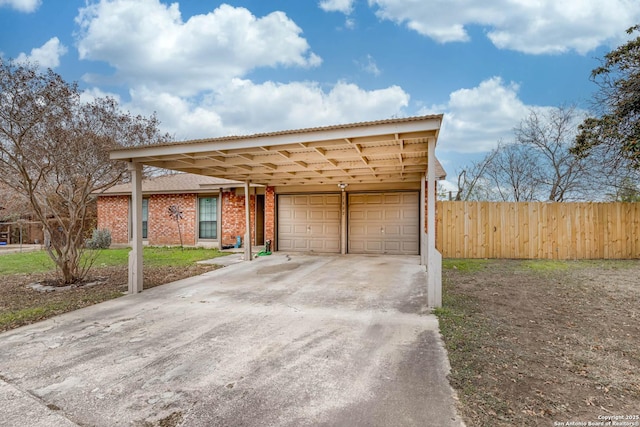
x=532 y=342
x=21 y=305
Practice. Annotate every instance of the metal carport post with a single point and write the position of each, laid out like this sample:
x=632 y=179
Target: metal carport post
x=434 y=258
x=135 y=255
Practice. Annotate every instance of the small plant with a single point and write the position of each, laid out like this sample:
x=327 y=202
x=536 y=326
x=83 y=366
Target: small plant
x=100 y=239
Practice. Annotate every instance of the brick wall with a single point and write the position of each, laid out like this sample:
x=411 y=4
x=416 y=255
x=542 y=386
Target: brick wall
x=162 y=228
x=233 y=217
x=270 y=215
x=113 y=214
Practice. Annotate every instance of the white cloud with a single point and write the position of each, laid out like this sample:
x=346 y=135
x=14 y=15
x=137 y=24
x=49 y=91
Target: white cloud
x=147 y=41
x=192 y=74
x=530 y=26
x=90 y=94
x=349 y=23
x=244 y=107
x=46 y=56
x=26 y=6
x=370 y=66
x=476 y=119
x=344 y=6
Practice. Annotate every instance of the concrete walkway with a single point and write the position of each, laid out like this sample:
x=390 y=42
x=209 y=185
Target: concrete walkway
x=14 y=248
x=278 y=341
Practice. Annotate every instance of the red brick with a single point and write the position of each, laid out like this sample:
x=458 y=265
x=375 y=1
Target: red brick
x=113 y=214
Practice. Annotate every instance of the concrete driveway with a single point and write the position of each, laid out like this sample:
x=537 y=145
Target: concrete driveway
x=281 y=341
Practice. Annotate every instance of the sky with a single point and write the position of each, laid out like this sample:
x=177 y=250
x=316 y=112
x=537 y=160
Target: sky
x=210 y=68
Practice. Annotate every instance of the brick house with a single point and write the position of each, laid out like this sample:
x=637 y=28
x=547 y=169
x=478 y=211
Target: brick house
x=357 y=188
x=213 y=212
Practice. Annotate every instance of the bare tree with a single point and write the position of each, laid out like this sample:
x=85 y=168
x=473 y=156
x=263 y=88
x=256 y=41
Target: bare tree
x=472 y=184
x=54 y=149
x=507 y=173
x=538 y=164
x=13 y=205
x=551 y=133
x=513 y=173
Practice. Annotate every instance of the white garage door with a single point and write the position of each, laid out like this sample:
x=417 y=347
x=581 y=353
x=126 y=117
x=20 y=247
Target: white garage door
x=309 y=223
x=384 y=223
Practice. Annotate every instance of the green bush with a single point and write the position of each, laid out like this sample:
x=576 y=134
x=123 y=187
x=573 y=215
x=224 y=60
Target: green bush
x=100 y=239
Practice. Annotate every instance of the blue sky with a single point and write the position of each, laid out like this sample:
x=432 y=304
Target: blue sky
x=209 y=68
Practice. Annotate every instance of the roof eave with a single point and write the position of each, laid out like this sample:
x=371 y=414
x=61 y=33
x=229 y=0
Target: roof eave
x=417 y=124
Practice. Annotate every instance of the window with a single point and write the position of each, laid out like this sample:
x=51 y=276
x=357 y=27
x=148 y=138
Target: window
x=145 y=217
x=207 y=218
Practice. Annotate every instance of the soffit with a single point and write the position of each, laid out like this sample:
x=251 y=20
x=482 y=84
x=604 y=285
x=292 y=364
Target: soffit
x=393 y=150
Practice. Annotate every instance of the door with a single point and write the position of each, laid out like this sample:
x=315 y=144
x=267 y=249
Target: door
x=309 y=223
x=259 y=220
x=384 y=223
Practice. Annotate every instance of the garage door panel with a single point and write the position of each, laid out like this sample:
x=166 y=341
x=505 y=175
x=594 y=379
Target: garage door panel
x=392 y=246
x=356 y=215
x=393 y=214
x=408 y=198
x=374 y=215
x=410 y=247
x=300 y=245
x=356 y=199
x=286 y=229
x=410 y=229
x=333 y=215
x=331 y=229
x=386 y=223
x=356 y=247
x=410 y=215
x=299 y=229
x=309 y=222
x=297 y=215
x=372 y=230
x=374 y=246
x=392 y=231
x=392 y=199
x=316 y=214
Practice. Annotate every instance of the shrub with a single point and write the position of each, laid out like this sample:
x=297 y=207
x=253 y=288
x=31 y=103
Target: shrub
x=100 y=239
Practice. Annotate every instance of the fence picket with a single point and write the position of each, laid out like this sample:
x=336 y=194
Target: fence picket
x=539 y=230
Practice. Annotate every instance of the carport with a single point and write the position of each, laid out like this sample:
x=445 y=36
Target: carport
x=348 y=188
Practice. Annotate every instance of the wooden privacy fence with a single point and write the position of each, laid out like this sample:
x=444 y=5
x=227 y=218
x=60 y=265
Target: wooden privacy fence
x=538 y=230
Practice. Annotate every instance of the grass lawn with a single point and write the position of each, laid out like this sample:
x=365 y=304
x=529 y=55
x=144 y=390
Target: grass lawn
x=533 y=343
x=39 y=262
x=20 y=304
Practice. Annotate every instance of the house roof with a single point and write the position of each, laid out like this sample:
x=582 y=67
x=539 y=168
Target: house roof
x=393 y=150
x=176 y=183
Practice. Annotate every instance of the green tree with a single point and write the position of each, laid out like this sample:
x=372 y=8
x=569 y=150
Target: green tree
x=627 y=192
x=616 y=127
x=54 y=149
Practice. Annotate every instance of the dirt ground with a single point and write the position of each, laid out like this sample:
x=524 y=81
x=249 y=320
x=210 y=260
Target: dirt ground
x=21 y=305
x=544 y=343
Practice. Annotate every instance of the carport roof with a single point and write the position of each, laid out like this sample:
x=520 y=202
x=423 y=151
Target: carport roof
x=383 y=151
